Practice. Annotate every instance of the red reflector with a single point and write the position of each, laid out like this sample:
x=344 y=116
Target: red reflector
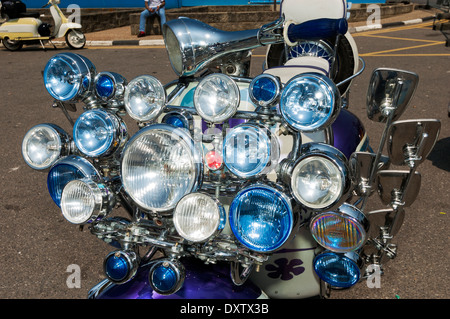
x=213 y=160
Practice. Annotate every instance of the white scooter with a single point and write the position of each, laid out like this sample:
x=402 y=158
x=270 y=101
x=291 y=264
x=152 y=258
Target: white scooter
x=24 y=28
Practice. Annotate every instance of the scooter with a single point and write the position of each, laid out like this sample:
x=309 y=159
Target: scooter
x=26 y=28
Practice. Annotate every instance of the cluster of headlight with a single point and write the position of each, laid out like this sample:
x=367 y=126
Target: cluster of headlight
x=250 y=150
x=261 y=218
x=144 y=98
x=216 y=98
x=99 y=132
x=160 y=165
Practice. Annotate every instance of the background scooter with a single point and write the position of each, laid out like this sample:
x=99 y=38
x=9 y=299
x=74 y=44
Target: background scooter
x=22 y=27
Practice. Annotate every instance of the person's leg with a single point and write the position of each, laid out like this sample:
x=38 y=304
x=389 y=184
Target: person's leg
x=162 y=15
x=143 y=20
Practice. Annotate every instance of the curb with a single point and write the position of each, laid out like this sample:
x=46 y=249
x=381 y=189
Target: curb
x=160 y=42
x=388 y=25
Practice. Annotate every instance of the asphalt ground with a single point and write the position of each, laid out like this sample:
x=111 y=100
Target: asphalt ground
x=37 y=245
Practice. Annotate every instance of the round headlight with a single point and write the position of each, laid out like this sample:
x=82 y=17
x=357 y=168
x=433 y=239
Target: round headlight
x=264 y=89
x=339 y=270
x=145 y=98
x=342 y=230
x=109 y=85
x=98 y=133
x=250 y=150
x=310 y=102
x=84 y=201
x=321 y=177
x=68 y=169
x=216 y=98
x=261 y=218
x=197 y=217
x=121 y=266
x=160 y=165
x=69 y=76
x=44 y=144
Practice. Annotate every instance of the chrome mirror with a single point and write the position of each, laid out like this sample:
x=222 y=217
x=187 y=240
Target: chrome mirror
x=389 y=219
x=361 y=165
x=398 y=188
x=389 y=93
x=411 y=141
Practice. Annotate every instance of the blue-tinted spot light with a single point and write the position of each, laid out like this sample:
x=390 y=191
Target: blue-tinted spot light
x=261 y=218
x=338 y=270
x=120 y=266
x=166 y=276
x=265 y=89
x=104 y=86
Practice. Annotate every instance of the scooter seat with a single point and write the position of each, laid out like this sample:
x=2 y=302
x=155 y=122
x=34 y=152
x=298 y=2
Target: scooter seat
x=35 y=15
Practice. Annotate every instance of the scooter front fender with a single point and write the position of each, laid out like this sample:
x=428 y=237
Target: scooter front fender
x=66 y=27
x=202 y=282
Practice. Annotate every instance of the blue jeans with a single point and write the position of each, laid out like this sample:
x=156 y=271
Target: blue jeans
x=145 y=14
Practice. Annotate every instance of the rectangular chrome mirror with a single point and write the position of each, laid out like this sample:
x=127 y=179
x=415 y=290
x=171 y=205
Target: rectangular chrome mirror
x=389 y=93
x=361 y=165
x=411 y=141
x=388 y=218
x=398 y=187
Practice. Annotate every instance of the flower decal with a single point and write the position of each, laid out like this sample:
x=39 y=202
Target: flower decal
x=285 y=269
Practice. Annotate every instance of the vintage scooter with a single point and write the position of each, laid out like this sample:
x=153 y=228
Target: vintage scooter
x=24 y=28
x=235 y=186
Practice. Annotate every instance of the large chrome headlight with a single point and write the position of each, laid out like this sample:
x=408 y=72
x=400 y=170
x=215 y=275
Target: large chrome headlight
x=99 y=133
x=44 y=144
x=160 y=164
x=310 y=102
x=69 y=76
x=261 y=218
x=250 y=150
x=84 y=201
x=321 y=179
x=144 y=98
x=68 y=169
x=342 y=230
x=216 y=98
x=197 y=217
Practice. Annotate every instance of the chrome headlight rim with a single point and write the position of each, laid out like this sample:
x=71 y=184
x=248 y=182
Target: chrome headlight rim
x=220 y=218
x=159 y=102
x=311 y=151
x=84 y=79
x=335 y=103
x=227 y=113
x=103 y=201
x=272 y=144
x=348 y=213
x=196 y=161
x=288 y=204
x=117 y=133
x=276 y=95
x=63 y=140
x=118 y=85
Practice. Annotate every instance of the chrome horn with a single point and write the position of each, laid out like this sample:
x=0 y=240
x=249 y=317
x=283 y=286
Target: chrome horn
x=193 y=45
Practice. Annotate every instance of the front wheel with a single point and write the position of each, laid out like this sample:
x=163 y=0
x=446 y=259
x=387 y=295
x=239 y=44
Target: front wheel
x=12 y=45
x=75 y=39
